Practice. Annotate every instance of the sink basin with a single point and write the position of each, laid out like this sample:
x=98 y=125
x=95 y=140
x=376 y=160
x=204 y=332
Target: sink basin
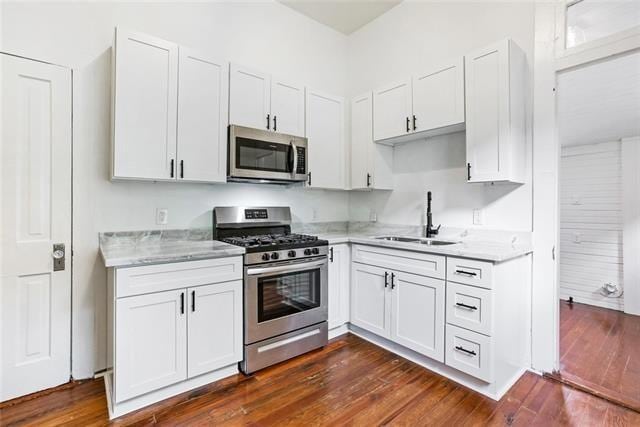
x=436 y=242
x=398 y=239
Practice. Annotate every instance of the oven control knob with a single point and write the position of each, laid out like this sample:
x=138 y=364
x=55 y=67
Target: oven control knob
x=275 y=255
x=315 y=251
x=292 y=254
x=307 y=251
x=266 y=257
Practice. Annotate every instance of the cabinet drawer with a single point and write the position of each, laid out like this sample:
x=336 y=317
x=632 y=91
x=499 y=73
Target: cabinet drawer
x=469 y=272
x=469 y=307
x=164 y=277
x=400 y=260
x=469 y=352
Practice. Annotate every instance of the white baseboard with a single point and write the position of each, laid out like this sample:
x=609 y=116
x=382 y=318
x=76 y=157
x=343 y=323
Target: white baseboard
x=338 y=330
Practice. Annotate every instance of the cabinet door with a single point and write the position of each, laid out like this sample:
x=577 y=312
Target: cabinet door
x=249 y=98
x=287 y=107
x=417 y=314
x=487 y=112
x=361 y=141
x=392 y=110
x=145 y=107
x=370 y=307
x=325 y=132
x=215 y=326
x=151 y=336
x=438 y=96
x=339 y=271
x=202 y=118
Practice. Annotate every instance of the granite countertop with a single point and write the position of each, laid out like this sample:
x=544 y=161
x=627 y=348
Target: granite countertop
x=127 y=249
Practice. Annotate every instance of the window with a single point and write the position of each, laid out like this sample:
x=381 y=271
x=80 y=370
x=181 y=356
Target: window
x=589 y=20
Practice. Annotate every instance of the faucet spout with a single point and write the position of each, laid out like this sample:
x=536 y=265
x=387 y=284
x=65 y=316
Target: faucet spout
x=429 y=230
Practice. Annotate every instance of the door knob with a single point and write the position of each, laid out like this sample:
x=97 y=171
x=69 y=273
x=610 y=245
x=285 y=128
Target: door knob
x=58 y=256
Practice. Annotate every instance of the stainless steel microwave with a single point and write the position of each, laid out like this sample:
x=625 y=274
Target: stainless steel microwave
x=264 y=156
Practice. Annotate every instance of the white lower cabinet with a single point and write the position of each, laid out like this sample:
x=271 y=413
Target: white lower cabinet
x=151 y=348
x=339 y=271
x=469 y=352
x=186 y=333
x=369 y=304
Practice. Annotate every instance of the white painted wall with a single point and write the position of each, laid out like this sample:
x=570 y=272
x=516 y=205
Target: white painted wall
x=404 y=40
x=265 y=35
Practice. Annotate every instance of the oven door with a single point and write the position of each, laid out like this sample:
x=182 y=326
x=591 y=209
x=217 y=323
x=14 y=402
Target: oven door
x=283 y=297
x=260 y=154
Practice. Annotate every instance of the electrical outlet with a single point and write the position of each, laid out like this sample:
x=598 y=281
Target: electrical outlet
x=373 y=216
x=314 y=214
x=477 y=217
x=162 y=216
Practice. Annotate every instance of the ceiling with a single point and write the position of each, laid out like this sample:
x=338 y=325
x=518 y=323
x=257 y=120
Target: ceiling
x=345 y=16
x=600 y=102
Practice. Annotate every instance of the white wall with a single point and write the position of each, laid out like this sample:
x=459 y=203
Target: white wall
x=265 y=35
x=402 y=41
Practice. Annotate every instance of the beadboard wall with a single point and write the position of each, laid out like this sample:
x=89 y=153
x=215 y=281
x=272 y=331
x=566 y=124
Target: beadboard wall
x=591 y=222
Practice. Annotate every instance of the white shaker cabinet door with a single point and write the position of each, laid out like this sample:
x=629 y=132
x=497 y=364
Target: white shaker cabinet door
x=287 y=107
x=325 y=132
x=202 y=118
x=361 y=141
x=145 y=107
x=215 y=326
x=250 y=98
x=339 y=271
x=392 y=110
x=418 y=314
x=151 y=350
x=370 y=308
x=438 y=96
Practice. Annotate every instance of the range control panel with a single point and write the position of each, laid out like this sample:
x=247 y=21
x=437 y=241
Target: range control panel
x=255 y=214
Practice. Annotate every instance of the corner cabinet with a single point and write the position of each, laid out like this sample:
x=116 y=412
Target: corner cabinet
x=339 y=294
x=496 y=87
x=261 y=101
x=371 y=163
x=174 y=327
x=170 y=109
x=326 y=134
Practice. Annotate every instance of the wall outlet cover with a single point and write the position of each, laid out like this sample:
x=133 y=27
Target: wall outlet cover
x=477 y=217
x=162 y=216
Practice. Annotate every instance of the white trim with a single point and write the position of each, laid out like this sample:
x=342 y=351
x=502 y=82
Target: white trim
x=338 y=330
x=631 y=223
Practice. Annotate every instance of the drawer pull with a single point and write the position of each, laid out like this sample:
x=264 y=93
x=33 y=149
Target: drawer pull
x=463 y=305
x=464 y=350
x=467 y=273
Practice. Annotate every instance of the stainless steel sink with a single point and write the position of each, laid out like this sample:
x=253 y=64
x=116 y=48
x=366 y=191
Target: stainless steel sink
x=436 y=242
x=398 y=239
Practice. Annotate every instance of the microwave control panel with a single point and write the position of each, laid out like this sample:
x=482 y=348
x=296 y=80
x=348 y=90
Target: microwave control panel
x=302 y=161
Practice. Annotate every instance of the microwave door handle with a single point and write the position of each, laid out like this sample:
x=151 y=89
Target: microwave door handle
x=300 y=266
x=294 y=165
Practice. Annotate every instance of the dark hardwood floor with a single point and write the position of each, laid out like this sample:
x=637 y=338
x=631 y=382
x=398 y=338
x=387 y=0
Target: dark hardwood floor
x=349 y=382
x=600 y=350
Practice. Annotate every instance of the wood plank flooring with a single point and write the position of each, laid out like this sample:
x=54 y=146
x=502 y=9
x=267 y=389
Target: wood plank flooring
x=600 y=350
x=349 y=382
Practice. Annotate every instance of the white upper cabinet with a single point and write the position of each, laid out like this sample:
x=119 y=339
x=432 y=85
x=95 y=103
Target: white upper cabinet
x=392 y=110
x=144 y=107
x=170 y=112
x=438 y=96
x=496 y=80
x=325 y=132
x=261 y=102
x=371 y=163
x=250 y=98
x=287 y=107
x=202 y=118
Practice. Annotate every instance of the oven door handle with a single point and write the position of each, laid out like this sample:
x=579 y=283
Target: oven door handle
x=260 y=271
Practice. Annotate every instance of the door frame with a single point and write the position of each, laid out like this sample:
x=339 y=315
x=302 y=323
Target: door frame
x=551 y=58
x=70 y=250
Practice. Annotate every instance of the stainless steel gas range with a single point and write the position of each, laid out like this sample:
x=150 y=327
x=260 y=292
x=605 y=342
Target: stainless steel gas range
x=285 y=283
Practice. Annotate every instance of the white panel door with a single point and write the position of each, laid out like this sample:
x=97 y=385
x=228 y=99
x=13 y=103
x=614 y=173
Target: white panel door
x=203 y=101
x=487 y=112
x=361 y=141
x=145 y=107
x=392 y=110
x=153 y=354
x=325 y=132
x=370 y=307
x=214 y=327
x=417 y=314
x=287 y=107
x=438 y=96
x=339 y=271
x=249 y=98
x=35 y=301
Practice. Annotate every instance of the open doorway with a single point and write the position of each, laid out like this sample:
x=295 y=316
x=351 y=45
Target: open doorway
x=598 y=117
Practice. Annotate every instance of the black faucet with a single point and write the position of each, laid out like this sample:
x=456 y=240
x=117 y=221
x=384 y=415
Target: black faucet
x=429 y=231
